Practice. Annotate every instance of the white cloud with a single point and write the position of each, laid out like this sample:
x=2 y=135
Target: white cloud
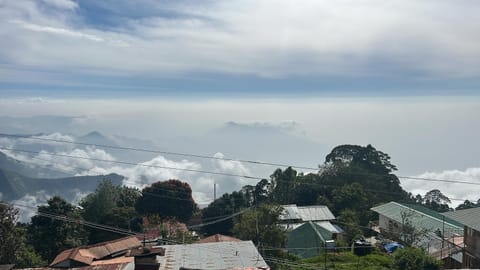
x=458 y=191
x=271 y=38
x=65 y=4
x=28 y=204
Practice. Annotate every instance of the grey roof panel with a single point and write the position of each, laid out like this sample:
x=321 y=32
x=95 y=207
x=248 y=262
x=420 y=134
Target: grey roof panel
x=217 y=255
x=469 y=217
x=306 y=213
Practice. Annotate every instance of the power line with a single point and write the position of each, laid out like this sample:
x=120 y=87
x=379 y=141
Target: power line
x=158 y=151
x=226 y=174
x=221 y=173
x=132 y=163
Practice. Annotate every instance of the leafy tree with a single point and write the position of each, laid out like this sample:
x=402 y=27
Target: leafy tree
x=8 y=247
x=350 y=196
x=13 y=243
x=370 y=168
x=282 y=184
x=261 y=226
x=50 y=236
x=110 y=205
x=414 y=259
x=365 y=157
x=349 y=220
x=466 y=205
x=436 y=200
x=226 y=205
x=169 y=199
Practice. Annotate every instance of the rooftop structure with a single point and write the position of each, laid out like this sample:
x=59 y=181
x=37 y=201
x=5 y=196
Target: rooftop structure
x=89 y=255
x=217 y=255
x=306 y=213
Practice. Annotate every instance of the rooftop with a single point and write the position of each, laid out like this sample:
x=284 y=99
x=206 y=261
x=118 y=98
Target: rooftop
x=217 y=255
x=86 y=255
x=306 y=213
x=468 y=217
x=421 y=217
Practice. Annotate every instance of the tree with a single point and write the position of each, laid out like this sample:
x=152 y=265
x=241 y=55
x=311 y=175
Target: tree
x=414 y=259
x=50 y=236
x=366 y=157
x=349 y=220
x=261 y=226
x=13 y=243
x=110 y=205
x=466 y=205
x=282 y=185
x=436 y=200
x=168 y=199
x=226 y=205
x=370 y=168
x=8 y=247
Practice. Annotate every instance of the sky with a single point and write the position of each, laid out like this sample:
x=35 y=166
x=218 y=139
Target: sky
x=273 y=80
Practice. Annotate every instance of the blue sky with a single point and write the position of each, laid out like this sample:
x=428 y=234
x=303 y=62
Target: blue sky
x=65 y=48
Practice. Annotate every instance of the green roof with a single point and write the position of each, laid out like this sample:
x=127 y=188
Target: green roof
x=432 y=213
x=307 y=240
x=420 y=217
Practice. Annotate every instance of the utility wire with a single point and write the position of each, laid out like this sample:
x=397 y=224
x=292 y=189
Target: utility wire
x=214 y=158
x=221 y=173
x=131 y=163
x=228 y=174
x=156 y=151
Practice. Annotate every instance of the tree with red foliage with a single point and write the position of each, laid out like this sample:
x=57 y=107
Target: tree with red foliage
x=168 y=199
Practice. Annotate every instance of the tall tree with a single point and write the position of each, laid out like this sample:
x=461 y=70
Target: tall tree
x=50 y=236
x=261 y=226
x=436 y=200
x=365 y=165
x=169 y=199
x=282 y=184
x=14 y=248
x=110 y=205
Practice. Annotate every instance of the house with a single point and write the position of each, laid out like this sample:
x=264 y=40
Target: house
x=309 y=228
x=110 y=252
x=471 y=220
x=215 y=255
x=439 y=235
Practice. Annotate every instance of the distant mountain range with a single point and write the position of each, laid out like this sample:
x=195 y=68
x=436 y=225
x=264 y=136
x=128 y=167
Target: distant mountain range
x=18 y=179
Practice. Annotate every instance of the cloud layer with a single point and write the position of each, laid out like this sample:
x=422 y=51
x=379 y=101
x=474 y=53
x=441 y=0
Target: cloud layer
x=266 y=38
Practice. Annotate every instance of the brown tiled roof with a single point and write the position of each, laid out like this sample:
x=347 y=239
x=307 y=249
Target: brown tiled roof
x=113 y=266
x=88 y=254
x=218 y=238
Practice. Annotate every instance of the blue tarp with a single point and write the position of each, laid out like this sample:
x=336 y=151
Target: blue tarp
x=391 y=247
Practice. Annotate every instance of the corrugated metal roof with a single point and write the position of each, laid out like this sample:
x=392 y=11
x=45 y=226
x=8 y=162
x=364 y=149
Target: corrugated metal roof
x=218 y=238
x=468 y=217
x=315 y=213
x=324 y=224
x=290 y=211
x=306 y=213
x=116 y=266
x=88 y=254
x=417 y=218
x=218 y=255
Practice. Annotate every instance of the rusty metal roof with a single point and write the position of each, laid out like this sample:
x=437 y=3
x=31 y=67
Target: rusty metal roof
x=113 y=266
x=218 y=238
x=88 y=254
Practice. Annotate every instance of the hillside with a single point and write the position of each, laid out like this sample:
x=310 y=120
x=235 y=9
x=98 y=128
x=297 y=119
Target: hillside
x=13 y=185
x=28 y=169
